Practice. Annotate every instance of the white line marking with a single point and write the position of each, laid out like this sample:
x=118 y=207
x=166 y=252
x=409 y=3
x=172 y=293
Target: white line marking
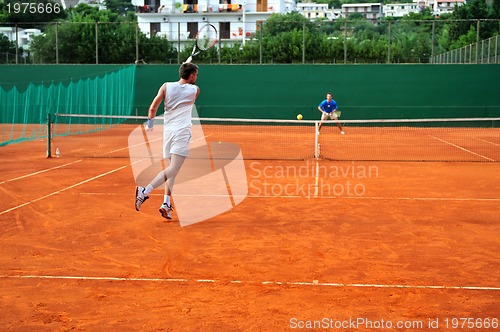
x=324 y=197
x=461 y=148
x=40 y=172
x=316 y=180
x=482 y=140
x=204 y=137
x=62 y=190
x=67 y=188
x=421 y=198
x=294 y=283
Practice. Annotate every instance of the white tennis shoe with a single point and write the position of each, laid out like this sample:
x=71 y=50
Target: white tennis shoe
x=342 y=133
x=139 y=197
x=166 y=210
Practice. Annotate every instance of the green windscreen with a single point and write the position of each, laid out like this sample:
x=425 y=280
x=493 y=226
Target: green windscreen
x=25 y=106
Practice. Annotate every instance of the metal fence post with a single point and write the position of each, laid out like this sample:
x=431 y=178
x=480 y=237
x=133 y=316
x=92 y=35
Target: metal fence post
x=57 y=42
x=389 y=43
x=17 y=43
x=96 y=44
x=433 y=38
x=178 y=42
x=477 y=42
x=345 y=41
x=260 y=42
x=136 y=42
x=496 y=50
x=303 y=43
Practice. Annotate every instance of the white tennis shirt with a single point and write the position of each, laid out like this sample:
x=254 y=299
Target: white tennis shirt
x=178 y=103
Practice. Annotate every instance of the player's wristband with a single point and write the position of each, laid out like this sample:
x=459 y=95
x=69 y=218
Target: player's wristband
x=150 y=123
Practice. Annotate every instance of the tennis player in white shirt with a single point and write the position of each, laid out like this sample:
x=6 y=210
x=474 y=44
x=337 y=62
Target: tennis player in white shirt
x=179 y=98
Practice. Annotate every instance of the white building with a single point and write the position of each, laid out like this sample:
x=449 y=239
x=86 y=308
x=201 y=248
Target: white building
x=24 y=35
x=439 y=7
x=369 y=11
x=400 y=9
x=315 y=11
x=236 y=20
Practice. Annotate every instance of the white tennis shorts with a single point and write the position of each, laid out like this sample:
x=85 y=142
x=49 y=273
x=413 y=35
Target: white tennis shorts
x=176 y=142
x=326 y=116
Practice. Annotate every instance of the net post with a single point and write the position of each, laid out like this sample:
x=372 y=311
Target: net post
x=316 y=143
x=49 y=136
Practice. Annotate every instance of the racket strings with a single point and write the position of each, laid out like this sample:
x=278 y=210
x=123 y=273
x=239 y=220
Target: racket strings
x=206 y=38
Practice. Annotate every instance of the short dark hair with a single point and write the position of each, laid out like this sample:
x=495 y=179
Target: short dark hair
x=329 y=93
x=187 y=69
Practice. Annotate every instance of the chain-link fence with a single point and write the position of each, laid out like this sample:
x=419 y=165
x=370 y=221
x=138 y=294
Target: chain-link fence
x=328 y=42
x=486 y=51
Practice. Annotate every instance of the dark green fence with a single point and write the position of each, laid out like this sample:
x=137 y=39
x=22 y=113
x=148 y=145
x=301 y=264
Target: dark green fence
x=362 y=91
x=244 y=91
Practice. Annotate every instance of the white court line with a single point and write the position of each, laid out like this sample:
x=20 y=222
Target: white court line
x=70 y=187
x=316 y=180
x=39 y=172
x=62 y=190
x=482 y=140
x=322 y=197
x=263 y=283
x=461 y=148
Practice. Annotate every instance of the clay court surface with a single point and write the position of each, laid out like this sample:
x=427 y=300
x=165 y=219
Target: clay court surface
x=398 y=245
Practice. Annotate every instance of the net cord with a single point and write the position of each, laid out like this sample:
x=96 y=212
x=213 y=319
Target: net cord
x=269 y=121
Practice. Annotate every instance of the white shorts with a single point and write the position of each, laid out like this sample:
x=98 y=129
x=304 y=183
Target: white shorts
x=176 y=142
x=326 y=116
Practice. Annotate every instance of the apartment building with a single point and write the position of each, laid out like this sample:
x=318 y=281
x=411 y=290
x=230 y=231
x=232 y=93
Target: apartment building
x=236 y=20
x=315 y=11
x=400 y=9
x=369 y=11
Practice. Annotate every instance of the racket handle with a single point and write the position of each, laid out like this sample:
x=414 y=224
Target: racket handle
x=189 y=59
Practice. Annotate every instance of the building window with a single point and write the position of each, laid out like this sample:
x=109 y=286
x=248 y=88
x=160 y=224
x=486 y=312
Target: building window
x=225 y=30
x=192 y=28
x=262 y=5
x=154 y=28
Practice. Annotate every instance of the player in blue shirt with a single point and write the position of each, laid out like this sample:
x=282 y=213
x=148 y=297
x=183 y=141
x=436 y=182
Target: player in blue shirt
x=327 y=109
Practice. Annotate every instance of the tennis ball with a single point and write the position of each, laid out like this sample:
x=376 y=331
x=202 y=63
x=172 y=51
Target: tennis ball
x=299 y=117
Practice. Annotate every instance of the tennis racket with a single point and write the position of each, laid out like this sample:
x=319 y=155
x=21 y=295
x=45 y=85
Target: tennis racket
x=337 y=113
x=205 y=39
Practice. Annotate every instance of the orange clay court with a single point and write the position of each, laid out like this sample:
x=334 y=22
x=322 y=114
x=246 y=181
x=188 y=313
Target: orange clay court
x=347 y=242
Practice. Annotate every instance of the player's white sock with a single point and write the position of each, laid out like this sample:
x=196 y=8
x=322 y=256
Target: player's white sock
x=166 y=199
x=149 y=188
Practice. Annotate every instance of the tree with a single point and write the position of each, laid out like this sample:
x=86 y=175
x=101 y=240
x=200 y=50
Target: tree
x=116 y=40
x=495 y=9
x=25 y=17
x=279 y=23
x=119 y=6
x=7 y=49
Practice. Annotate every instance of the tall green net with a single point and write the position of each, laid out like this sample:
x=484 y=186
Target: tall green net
x=25 y=104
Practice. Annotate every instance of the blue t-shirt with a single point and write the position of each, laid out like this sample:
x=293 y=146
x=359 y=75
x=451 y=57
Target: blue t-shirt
x=328 y=107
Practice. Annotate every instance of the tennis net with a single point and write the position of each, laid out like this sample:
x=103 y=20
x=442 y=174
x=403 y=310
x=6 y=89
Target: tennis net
x=473 y=139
